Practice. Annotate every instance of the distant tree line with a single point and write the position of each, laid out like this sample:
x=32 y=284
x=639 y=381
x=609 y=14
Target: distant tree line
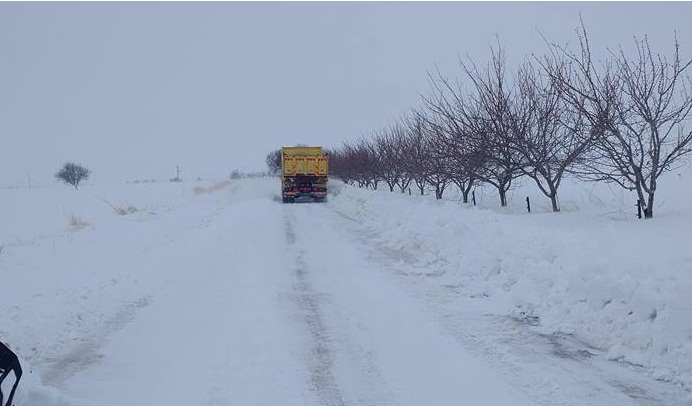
x=622 y=120
x=273 y=161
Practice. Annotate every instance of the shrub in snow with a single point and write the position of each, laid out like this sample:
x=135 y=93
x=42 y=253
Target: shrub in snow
x=73 y=174
x=123 y=209
x=76 y=222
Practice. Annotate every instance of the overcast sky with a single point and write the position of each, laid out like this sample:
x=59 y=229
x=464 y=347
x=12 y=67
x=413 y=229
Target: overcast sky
x=131 y=90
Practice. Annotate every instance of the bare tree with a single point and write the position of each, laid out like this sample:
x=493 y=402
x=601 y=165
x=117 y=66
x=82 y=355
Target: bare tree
x=640 y=108
x=452 y=139
x=418 y=153
x=73 y=174
x=652 y=112
x=385 y=148
x=273 y=162
x=340 y=165
x=400 y=149
x=368 y=164
x=552 y=137
x=492 y=119
x=439 y=165
x=356 y=163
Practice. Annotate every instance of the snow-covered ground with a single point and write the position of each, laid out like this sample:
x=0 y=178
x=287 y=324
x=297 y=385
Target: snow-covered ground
x=217 y=293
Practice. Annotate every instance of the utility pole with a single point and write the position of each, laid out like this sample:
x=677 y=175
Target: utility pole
x=177 y=174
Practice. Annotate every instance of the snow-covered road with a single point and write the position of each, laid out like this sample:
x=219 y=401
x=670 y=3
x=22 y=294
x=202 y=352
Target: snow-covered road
x=371 y=341
x=220 y=332
x=278 y=304
x=233 y=298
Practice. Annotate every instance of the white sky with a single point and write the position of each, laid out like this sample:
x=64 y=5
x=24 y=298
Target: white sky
x=131 y=90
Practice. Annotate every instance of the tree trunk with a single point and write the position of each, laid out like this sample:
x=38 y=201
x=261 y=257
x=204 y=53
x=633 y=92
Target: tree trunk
x=503 y=196
x=439 y=190
x=647 y=205
x=553 y=201
x=649 y=210
x=420 y=185
x=466 y=191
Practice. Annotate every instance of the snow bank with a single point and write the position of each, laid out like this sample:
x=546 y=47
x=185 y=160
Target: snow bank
x=593 y=271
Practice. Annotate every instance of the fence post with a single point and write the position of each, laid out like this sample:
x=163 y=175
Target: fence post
x=473 y=195
x=528 y=204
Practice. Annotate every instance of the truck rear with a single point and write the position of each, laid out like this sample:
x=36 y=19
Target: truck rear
x=303 y=173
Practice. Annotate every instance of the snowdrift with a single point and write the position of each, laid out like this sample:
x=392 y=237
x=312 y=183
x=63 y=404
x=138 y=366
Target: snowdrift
x=593 y=271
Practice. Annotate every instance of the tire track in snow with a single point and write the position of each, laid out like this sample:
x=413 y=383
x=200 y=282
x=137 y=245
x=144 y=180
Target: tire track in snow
x=353 y=363
x=63 y=367
x=322 y=381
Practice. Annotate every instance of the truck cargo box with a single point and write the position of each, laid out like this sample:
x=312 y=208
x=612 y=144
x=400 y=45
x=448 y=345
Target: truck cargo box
x=304 y=172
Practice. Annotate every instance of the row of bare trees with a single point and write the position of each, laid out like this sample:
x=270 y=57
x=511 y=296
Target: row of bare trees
x=624 y=120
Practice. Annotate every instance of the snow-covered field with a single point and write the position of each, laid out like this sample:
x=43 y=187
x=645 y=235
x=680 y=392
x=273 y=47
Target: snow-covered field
x=223 y=295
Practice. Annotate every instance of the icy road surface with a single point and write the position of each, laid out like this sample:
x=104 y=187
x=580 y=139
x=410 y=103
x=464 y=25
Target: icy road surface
x=238 y=299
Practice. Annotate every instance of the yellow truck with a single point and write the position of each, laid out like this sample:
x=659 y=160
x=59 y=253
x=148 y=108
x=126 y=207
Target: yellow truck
x=303 y=173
